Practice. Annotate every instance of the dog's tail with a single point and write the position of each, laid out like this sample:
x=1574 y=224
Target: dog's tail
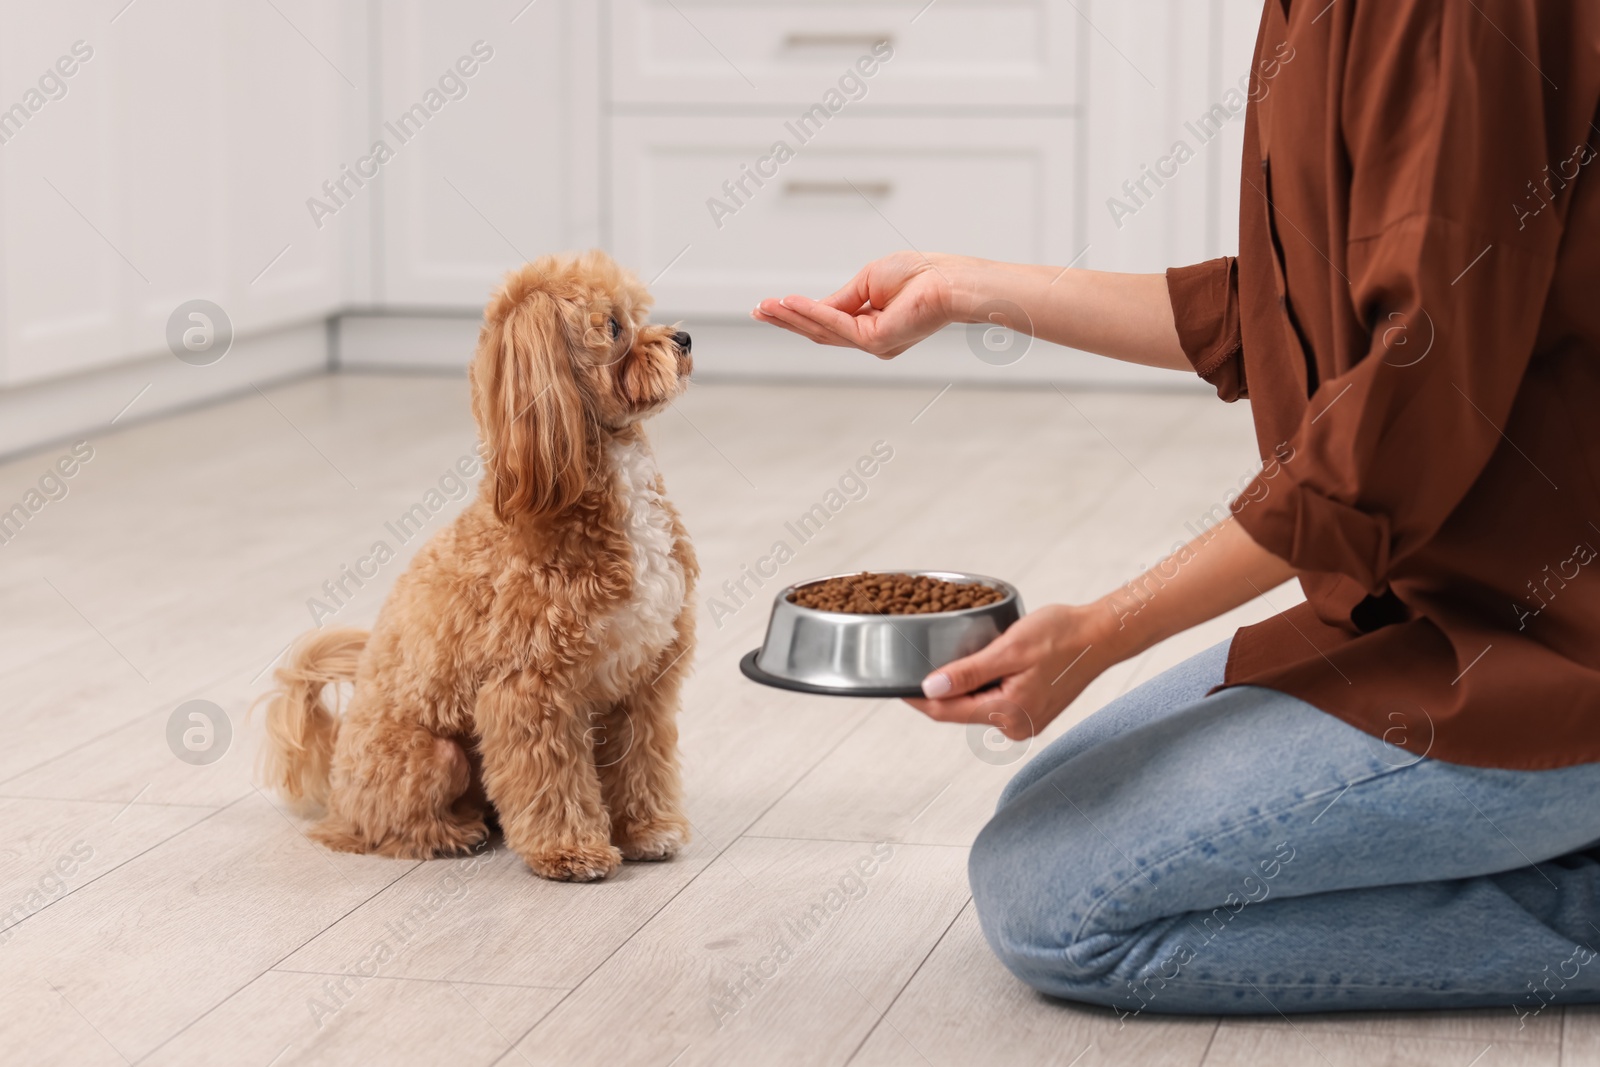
x=301 y=728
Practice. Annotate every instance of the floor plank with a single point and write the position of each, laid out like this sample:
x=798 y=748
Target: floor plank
x=781 y=952
x=1496 y=1026
x=289 y=1019
x=935 y=1020
x=1580 y=1035
x=504 y=926
x=160 y=940
x=1238 y=1045
x=50 y=849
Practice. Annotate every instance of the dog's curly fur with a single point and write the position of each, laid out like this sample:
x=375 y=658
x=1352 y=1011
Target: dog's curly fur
x=531 y=655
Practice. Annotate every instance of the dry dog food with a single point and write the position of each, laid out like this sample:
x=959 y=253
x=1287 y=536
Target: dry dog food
x=892 y=594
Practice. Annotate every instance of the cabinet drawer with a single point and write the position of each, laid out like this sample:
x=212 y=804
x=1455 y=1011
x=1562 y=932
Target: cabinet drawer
x=948 y=53
x=858 y=189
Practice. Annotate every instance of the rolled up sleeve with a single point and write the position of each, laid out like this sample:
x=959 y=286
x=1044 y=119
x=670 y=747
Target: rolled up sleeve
x=1205 y=309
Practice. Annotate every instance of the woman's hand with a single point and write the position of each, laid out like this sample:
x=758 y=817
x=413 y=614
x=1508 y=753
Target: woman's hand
x=890 y=305
x=1044 y=661
x=1049 y=657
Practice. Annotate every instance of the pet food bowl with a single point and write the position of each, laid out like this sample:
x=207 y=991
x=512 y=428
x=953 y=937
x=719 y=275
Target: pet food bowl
x=837 y=654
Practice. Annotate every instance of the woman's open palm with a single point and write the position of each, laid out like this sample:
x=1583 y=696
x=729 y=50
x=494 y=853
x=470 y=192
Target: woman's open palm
x=890 y=305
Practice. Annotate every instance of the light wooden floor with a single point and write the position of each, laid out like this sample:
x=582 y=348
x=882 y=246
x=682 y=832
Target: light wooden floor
x=197 y=925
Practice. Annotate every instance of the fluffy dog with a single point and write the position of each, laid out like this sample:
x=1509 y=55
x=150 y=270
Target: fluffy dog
x=531 y=655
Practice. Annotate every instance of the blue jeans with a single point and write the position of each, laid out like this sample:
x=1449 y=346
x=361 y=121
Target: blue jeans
x=1246 y=853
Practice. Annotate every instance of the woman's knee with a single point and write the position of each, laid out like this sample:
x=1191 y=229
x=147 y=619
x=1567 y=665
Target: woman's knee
x=1035 y=908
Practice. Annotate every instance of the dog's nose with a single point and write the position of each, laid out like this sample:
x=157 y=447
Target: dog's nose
x=682 y=340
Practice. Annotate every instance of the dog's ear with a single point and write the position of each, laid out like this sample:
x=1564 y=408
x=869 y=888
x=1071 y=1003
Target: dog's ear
x=532 y=416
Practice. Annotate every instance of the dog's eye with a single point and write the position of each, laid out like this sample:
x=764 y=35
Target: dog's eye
x=616 y=328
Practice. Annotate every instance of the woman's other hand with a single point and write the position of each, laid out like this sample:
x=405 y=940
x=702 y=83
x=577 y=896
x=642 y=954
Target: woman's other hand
x=1044 y=661
x=1048 y=657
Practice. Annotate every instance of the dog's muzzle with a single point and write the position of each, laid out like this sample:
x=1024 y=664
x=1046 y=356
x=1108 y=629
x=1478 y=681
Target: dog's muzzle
x=685 y=361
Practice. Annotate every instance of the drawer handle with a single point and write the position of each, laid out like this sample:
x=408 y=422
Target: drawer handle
x=837 y=40
x=839 y=188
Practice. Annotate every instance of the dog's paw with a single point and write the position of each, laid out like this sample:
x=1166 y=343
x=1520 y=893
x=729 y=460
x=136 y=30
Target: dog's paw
x=657 y=839
x=461 y=837
x=588 y=864
x=434 y=840
x=335 y=833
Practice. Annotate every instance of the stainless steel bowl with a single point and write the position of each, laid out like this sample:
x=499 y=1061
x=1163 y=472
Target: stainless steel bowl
x=835 y=654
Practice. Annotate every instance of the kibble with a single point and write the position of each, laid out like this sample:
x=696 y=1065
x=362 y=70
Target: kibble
x=868 y=593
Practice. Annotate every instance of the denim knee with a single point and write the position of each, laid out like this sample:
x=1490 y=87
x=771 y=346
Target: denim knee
x=1032 y=920
x=1020 y=781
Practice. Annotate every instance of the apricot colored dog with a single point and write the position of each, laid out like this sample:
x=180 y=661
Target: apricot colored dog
x=531 y=655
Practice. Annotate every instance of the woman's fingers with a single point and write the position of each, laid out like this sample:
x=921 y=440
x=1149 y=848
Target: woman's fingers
x=775 y=313
x=864 y=330
x=806 y=332
x=884 y=309
x=1029 y=658
x=955 y=709
x=997 y=659
x=818 y=321
x=798 y=320
x=853 y=295
x=955 y=693
x=841 y=323
x=989 y=708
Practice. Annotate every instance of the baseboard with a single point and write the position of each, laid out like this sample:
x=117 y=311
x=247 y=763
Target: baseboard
x=88 y=405
x=385 y=341
x=733 y=350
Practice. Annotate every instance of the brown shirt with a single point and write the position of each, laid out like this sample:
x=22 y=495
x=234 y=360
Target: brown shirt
x=1415 y=317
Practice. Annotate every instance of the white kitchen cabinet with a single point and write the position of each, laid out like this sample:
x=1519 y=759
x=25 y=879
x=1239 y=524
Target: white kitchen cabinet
x=1150 y=79
x=63 y=293
x=945 y=54
x=506 y=168
x=188 y=156
x=762 y=148
x=174 y=167
x=1237 y=25
x=292 y=116
x=863 y=187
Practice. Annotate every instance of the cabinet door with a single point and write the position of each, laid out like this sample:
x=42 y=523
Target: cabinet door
x=946 y=53
x=1166 y=107
x=491 y=168
x=1154 y=155
x=59 y=205
x=295 y=110
x=691 y=218
x=175 y=166
x=1239 y=22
